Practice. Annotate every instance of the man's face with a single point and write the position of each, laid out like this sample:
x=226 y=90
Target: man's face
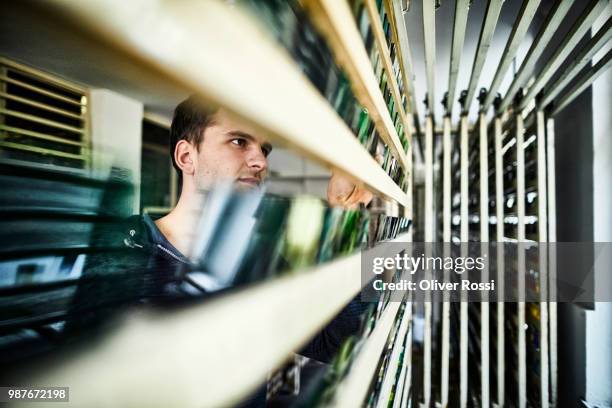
x=231 y=152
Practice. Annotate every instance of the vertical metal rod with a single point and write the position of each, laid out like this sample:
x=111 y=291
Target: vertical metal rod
x=543 y=269
x=520 y=200
x=446 y=226
x=446 y=179
x=484 y=239
x=429 y=36
x=429 y=179
x=552 y=260
x=499 y=215
x=484 y=42
x=429 y=129
x=463 y=311
x=459 y=27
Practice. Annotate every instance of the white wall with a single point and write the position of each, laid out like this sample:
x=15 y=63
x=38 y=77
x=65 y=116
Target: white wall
x=116 y=132
x=599 y=321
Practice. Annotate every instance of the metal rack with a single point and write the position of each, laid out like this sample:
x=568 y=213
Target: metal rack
x=509 y=158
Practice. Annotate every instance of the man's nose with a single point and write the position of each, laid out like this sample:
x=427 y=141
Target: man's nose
x=257 y=160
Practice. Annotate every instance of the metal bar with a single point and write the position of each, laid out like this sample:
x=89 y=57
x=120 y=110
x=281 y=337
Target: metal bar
x=463 y=311
x=499 y=215
x=569 y=42
x=404 y=53
x=429 y=179
x=519 y=29
x=459 y=25
x=429 y=227
x=520 y=201
x=484 y=42
x=41 y=136
x=383 y=49
x=46 y=122
x=584 y=82
x=484 y=179
x=427 y=342
x=553 y=20
x=42 y=91
x=542 y=238
x=429 y=36
x=446 y=179
x=40 y=150
x=484 y=239
x=446 y=226
x=552 y=260
x=40 y=105
x=581 y=60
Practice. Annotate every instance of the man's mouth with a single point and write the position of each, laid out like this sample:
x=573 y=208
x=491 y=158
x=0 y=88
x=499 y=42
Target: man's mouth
x=249 y=181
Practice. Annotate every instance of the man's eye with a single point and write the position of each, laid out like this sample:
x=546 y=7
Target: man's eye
x=239 y=142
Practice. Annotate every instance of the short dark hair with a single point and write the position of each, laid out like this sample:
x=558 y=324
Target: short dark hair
x=190 y=120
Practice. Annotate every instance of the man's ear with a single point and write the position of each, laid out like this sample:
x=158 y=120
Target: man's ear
x=184 y=156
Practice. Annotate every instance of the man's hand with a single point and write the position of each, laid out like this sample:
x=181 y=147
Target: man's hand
x=342 y=192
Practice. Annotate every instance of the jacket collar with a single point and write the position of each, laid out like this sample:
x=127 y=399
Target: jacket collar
x=152 y=236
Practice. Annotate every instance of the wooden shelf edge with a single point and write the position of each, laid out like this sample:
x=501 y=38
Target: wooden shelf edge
x=352 y=391
x=383 y=49
x=404 y=65
x=335 y=21
x=390 y=374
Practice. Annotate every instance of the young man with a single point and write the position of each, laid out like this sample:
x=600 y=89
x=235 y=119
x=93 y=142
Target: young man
x=208 y=147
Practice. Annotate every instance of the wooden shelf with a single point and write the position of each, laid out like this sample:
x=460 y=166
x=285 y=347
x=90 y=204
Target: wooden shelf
x=353 y=390
x=173 y=355
x=383 y=49
x=394 y=359
x=335 y=21
x=272 y=96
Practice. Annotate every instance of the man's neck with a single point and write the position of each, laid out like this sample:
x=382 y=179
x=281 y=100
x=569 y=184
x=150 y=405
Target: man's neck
x=179 y=225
